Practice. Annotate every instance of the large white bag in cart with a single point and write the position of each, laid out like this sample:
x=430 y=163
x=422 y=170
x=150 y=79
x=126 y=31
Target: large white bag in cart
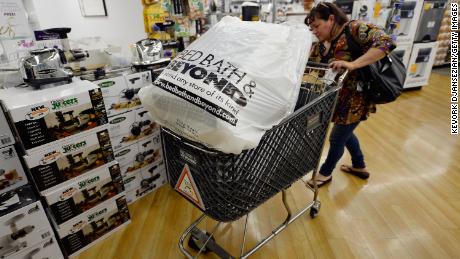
x=232 y=84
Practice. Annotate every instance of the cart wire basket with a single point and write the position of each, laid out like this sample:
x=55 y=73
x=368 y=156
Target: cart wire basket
x=228 y=186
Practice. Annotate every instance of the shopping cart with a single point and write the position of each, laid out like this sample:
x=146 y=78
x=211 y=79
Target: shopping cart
x=227 y=186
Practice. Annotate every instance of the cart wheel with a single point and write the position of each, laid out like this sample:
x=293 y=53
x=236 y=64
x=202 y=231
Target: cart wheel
x=196 y=244
x=314 y=210
x=313 y=213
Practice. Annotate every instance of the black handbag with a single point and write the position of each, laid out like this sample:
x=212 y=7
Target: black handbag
x=383 y=80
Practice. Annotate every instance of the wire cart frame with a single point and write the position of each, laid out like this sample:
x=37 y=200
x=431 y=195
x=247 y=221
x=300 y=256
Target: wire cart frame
x=230 y=186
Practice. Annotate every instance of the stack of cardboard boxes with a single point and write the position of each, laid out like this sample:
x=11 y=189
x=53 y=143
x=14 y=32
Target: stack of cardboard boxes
x=135 y=137
x=25 y=231
x=64 y=132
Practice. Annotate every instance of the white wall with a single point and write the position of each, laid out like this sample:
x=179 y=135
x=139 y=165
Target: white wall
x=123 y=25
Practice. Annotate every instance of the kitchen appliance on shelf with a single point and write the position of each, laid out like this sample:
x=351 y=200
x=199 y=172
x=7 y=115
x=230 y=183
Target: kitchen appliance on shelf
x=148 y=52
x=46 y=66
x=406 y=15
x=430 y=21
x=422 y=60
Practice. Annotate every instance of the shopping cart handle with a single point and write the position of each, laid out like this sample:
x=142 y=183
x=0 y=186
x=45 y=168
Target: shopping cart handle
x=316 y=64
x=168 y=131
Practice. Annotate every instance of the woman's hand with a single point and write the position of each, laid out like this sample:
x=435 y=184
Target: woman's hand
x=340 y=64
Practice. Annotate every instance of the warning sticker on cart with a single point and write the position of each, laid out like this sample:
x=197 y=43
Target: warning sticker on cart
x=186 y=186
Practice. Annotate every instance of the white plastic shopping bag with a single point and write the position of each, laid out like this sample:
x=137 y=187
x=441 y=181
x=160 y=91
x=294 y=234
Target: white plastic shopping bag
x=232 y=84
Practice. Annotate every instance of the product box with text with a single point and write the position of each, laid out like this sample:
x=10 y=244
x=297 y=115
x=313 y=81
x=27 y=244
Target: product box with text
x=127 y=128
x=117 y=98
x=127 y=154
x=48 y=249
x=56 y=164
x=409 y=16
x=11 y=172
x=147 y=180
x=22 y=229
x=6 y=136
x=79 y=232
x=84 y=193
x=420 y=64
x=16 y=199
x=138 y=80
x=144 y=158
x=51 y=115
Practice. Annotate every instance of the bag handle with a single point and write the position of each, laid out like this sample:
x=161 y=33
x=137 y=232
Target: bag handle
x=355 y=47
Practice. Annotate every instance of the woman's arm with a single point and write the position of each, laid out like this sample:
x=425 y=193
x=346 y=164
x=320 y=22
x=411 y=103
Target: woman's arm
x=371 y=56
x=370 y=37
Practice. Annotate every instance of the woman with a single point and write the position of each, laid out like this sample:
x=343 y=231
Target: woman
x=328 y=22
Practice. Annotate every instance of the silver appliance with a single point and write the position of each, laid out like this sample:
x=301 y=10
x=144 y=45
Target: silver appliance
x=423 y=57
x=430 y=21
x=46 y=66
x=147 y=52
x=406 y=15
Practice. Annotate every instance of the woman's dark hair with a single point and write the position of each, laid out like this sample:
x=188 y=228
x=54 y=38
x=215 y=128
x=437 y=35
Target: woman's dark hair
x=323 y=10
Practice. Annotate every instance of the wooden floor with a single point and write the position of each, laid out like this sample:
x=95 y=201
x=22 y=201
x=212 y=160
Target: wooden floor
x=409 y=208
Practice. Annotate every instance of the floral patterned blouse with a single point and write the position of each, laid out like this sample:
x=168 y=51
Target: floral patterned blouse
x=352 y=106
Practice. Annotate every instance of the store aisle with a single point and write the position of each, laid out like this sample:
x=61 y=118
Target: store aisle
x=409 y=208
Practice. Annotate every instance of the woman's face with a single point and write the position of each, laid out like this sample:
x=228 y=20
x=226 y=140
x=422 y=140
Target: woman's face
x=322 y=28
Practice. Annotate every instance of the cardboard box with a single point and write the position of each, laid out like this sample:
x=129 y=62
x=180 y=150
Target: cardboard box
x=132 y=181
x=6 y=136
x=152 y=177
x=51 y=115
x=409 y=14
x=82 y=194
x=148 y=181
x=135 y=172
x=120 y=91
x=138 y=80
x=49 y=248
x=15 y=199
x=127 y=154
x=11 y=172
x=68 y=159
x=23 y=228
x=144 y=158
x=117 y=97
x=95 y=224
x=128 y=128
x=404 y=50
x=420 y=64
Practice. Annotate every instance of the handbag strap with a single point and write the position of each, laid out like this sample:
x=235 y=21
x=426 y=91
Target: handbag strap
x=355 y=47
